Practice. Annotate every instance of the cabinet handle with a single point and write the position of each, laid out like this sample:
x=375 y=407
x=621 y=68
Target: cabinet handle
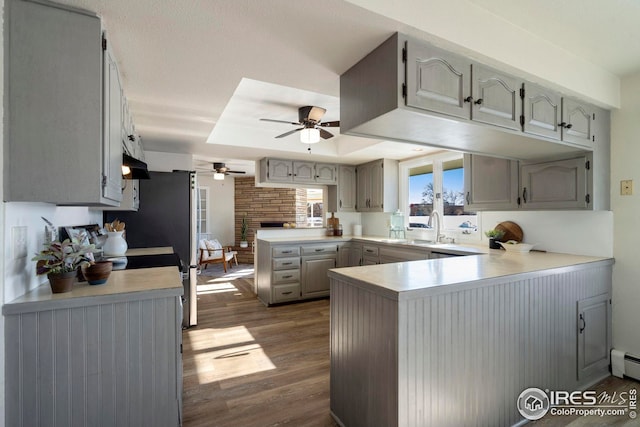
x=286 y=252
x=524 y=194
x=468 y=198
x=319 y=250
x=369 y=251
x=468 y=99
x=288 y=276
x=287 y=293
x=478 y=102
x=287 y=263
x=584 y=323
x=340 y=204
x=569 y=126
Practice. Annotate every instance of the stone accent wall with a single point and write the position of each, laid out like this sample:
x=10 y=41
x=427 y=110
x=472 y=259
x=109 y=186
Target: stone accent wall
x=260 y=204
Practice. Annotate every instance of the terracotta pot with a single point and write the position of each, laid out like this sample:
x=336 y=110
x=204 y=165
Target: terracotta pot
x=62 y=282
x=98 y=273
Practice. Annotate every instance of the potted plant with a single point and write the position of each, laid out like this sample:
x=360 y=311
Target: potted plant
x=244 y=227
x=494 y=236
x=60 y=261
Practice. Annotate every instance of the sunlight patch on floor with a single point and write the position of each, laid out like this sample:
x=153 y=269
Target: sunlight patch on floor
x=216 y=288
x=232 y=353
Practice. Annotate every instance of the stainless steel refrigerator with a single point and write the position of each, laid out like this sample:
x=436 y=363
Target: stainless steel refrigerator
x=167 y=217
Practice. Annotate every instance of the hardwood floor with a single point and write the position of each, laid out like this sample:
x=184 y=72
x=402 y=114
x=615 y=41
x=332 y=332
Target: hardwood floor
x=248 y=365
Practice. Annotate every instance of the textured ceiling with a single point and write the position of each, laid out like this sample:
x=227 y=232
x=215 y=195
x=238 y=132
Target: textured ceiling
x=182 y=61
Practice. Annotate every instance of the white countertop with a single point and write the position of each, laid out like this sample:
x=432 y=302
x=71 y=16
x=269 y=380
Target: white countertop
x=438 y=275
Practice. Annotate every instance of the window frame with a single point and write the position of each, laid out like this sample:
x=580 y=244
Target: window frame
x=199 y=209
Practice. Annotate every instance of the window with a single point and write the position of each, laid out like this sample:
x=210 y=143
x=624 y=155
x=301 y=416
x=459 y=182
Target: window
x=203 y=210
x=436 y=183
x=315 y=212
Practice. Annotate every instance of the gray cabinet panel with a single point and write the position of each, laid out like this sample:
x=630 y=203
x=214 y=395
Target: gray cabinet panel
x=112 y=147
x=490 y=183
x=377 y=186
x=437 y=80
x=496 y=98
x=347 y=188
x=559 y=184
x=303 y=171
x=279 y=170
x=542 y=111
x=315 y=281
x=326 y=173
x=577 y=118
x=594 y=340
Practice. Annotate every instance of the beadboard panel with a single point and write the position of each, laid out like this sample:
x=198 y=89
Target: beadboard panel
x=107 y=365
x=462 y=357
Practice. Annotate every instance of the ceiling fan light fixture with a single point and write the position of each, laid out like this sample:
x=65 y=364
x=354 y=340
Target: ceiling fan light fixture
x=218 y=176
x=310 y=135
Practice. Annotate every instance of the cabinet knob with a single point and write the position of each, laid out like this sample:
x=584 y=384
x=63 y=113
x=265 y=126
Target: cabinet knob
x=468 y=99
x=478 y=102
x=569 y=126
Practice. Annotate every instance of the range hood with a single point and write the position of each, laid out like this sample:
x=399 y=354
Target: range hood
x=137 y=168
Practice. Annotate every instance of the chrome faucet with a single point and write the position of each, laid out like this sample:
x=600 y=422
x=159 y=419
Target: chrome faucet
x=435 y=215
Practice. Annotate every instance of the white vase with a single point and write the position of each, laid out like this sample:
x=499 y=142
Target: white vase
x=115 y=244
x=244 y=244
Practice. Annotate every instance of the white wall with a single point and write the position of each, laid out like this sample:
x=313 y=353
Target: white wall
x=625 y=152
x=221 y=208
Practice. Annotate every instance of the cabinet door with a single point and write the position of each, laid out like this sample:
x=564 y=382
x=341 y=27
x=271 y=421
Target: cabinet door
x=364 y=187
x=594 y=335
x=560 y=184
x=279 y=170
x=326 y=173
x=496 y=98
x=347 y=189
x=303 y=172
x=376 y=195
x=490 y=183
x=577 y=119
x=542 y=111
x=315 y=281
x=350 y=255
x=437 y=80
x=112 y=141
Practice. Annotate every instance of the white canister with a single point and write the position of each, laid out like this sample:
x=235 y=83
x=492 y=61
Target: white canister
x=115 y=244
x=357 y=230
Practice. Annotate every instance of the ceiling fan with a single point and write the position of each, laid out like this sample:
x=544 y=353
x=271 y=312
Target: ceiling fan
x=310 y=118
x=220 y=170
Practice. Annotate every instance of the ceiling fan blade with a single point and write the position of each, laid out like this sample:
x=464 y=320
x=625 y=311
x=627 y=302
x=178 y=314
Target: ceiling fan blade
x=334 y=124
x=280 y=121
x=289 y=133
x=236 y=172
x=324 y=134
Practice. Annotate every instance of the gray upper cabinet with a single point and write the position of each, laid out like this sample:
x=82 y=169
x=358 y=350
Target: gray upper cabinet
x=303 y=172
x=377 y=186
x=346 y=188
x=577 y=122
x=326 y=173
x=437 y=80
x=496 y=98
x=58 y=92
x=558 y=184
x=490 y=183
x=279 y=170
x=542 y=111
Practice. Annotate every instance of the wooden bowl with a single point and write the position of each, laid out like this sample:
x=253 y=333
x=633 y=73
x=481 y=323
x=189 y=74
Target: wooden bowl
x=98 y=273
x=512 y=231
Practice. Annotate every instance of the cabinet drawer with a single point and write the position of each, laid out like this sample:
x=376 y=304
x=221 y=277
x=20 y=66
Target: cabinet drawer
x=285 y=251
x=286 y=263
x=285 y=276
x=369 y=250
x=319 y=249
x=289 y=292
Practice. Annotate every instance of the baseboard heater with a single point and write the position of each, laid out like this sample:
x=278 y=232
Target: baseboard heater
x=625 y=365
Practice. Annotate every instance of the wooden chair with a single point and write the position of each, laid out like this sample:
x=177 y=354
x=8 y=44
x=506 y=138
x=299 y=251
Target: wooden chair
x=211 y=251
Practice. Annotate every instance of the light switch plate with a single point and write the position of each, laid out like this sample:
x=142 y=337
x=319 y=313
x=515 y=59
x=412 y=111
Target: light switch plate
x=626 y=187
x=19 y=241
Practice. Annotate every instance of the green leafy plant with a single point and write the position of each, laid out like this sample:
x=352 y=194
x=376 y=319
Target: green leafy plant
x=494 y=234
x=244 y=227
x=62 y=257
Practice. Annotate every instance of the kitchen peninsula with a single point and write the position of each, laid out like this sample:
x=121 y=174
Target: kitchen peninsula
x=98 y=355
x=454 y=341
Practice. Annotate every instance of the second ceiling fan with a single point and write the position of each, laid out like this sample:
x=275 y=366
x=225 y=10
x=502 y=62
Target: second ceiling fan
x=310 y=118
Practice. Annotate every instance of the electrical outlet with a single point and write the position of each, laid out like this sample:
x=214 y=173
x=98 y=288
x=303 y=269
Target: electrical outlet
x=626 y=187
x=19 y=240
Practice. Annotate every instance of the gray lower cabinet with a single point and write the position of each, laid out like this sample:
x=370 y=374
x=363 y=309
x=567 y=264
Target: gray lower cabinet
x=315 y=282
x=594 y=335
x=349 y=254
x=389 y=254
x=558 y=184
x=62 y=88
x=114 y=363
x=490 y=183
x=370 y=254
